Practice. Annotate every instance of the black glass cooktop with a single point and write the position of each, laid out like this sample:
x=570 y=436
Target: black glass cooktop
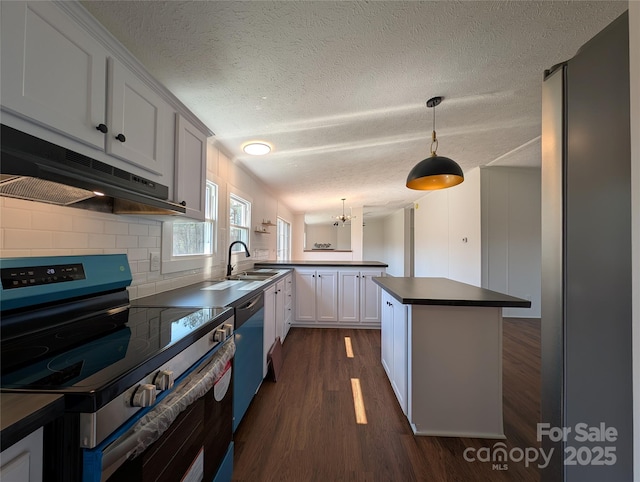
x=105 y=353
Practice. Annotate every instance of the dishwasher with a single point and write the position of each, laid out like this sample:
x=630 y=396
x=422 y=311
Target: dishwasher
x=247 y=373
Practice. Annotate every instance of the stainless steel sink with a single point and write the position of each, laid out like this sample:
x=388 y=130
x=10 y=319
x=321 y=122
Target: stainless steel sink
x=251 y=277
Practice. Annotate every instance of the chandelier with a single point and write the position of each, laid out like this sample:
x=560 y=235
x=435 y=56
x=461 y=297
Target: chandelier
x=343 y=218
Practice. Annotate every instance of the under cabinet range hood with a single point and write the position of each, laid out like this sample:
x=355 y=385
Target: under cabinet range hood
x=36 y=170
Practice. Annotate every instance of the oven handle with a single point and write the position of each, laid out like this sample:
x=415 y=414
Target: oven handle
x=154 y=423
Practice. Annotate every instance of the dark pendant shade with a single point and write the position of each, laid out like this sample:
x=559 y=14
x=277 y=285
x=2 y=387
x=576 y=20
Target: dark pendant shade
x=435 y=172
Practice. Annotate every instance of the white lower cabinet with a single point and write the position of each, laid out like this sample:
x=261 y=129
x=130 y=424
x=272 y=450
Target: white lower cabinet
x=347 y=296
x=394 y=346
x=359 y=297
x=283 y=306
x=277 y=314
x=269 y=324
x=23 y=460
x=316 y=295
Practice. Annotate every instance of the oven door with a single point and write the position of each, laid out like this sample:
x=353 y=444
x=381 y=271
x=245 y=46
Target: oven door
x=168 y=441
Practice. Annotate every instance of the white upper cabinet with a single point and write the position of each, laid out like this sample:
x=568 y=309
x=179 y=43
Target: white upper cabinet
x=190 y=168
x=67 y=80
x=137 y=119
x=53 y=72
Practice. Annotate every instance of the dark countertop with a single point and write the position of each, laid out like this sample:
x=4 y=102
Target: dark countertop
x=346 y=264
x=197 y=295
x=443 y=291
x=24 y=413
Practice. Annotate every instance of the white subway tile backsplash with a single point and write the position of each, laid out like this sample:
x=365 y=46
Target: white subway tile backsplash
x=51 y=221
x=16 y=218
x=126 y=241
x=138 y=229
x=155 y=230
x=27 y=239
x=147 y=289
x=102 y=240
x=38 y=229
x=163 y=285
x=148 y=242
x=70 y=240
x=88 y=225
x=112 y=227
x=137 y=254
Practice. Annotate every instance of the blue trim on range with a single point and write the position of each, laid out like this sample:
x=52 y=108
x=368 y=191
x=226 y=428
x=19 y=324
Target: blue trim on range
x=225 y=472
x=27 y=282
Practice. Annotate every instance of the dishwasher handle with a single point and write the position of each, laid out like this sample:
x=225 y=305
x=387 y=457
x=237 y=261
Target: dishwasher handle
x=247 y=310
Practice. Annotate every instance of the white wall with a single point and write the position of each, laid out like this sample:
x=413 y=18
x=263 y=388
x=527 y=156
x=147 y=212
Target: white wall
x=396 y=243
x=634 y=51
x=323 y=234
x=373 y=240
x=447 y=232
x=511 y=237
x=37 y=229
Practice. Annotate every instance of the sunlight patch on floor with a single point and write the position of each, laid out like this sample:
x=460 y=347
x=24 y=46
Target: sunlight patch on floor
x=358 y=402
x=348 y=347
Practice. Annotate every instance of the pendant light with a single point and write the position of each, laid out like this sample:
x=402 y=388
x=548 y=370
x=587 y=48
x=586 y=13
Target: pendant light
x=434 y=172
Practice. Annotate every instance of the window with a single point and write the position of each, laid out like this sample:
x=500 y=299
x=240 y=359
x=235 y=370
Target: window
x=191 y=244
x=239 y=221
x=284 y=240
x=193 y=238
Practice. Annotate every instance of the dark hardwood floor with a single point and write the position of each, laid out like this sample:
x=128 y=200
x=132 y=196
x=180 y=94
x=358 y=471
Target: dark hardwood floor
x=303 y=427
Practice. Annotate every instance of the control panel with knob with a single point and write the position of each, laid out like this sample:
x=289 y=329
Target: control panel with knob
x=228 y=328
x=163 y=380
x=144 y=395
x=219 y=335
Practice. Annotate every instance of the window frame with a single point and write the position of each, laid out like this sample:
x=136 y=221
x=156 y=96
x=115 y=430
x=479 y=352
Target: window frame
x=247 y=201
x=172 y=263
x=283 y=238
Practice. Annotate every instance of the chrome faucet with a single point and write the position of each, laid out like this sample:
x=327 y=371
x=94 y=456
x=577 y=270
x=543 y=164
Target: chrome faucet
x=246 y=250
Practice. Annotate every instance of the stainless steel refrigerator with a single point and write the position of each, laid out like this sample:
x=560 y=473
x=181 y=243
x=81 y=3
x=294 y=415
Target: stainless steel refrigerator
x=586 y=263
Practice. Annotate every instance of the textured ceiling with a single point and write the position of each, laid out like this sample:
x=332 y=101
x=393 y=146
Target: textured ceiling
x=339 y=88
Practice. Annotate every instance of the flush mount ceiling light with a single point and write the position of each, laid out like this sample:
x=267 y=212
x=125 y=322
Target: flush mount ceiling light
x=342 y=218
x=434 y=172
x=257 y=148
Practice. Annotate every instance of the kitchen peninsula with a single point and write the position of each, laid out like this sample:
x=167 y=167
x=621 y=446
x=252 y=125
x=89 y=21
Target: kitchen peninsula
x=442 y=351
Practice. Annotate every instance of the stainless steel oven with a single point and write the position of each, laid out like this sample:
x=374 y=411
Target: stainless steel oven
x=147 y=390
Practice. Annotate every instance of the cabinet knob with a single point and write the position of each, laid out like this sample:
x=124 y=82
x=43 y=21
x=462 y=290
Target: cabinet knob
x=121 y=137
x=102 y=128
x=183 y=203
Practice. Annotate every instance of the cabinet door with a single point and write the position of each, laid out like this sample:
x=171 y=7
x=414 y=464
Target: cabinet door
x=348 y=296
x=386 y=334
x=400 y=351
x=326 y=295
x=280 y=302
x=305 y=295
x=370 y=300
x=288 y=305
x=53 y=73
x=269 y=324
x=190 y=168
x=136 y=118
